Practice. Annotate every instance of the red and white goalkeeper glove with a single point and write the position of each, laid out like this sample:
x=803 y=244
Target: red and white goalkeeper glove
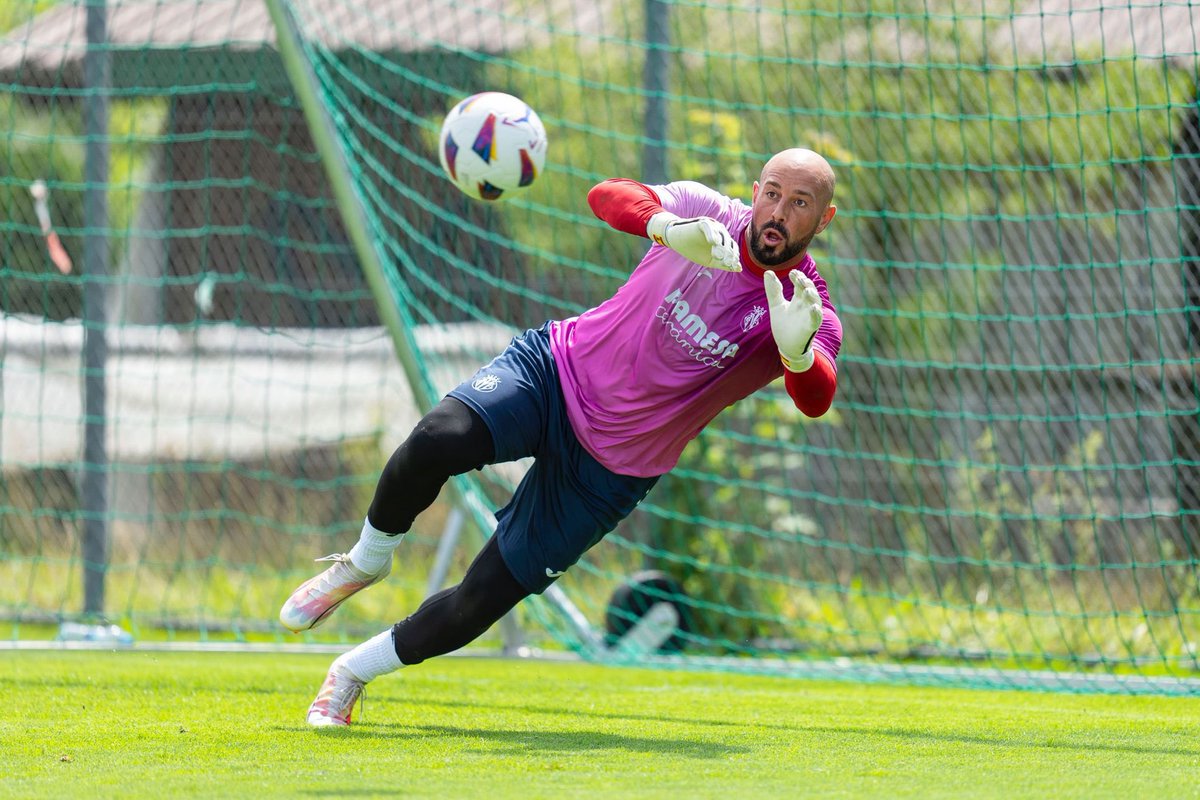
x=702 y=240
x=794 y=324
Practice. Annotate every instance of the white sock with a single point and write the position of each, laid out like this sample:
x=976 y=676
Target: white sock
x=374 y=549
x=374 y=657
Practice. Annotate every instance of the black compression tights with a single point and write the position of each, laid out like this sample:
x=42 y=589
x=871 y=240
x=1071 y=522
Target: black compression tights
x=450 y=440
x=456 y=616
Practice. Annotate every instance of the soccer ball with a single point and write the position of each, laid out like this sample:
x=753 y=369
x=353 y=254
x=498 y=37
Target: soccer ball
x=492 y=146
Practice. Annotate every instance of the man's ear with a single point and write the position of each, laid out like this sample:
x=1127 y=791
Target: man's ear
x=754 y=193
x=826 y=218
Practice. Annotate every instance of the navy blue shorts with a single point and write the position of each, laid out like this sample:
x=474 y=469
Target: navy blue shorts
x=567 y=501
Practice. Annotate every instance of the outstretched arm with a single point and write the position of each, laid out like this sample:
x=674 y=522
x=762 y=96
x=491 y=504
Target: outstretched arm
x=633 y=207
x=625 y=205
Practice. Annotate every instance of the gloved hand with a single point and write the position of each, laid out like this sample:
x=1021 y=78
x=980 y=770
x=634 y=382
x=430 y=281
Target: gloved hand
x=702 y=240
x=794 y=324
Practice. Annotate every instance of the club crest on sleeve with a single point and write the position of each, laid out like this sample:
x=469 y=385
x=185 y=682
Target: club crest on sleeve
x=752 y=318
x=486 y=383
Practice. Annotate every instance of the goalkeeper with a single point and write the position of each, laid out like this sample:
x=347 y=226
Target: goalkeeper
x=726 y=301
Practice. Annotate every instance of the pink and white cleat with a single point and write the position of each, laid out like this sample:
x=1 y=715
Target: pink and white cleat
x=318 y=597
x=335 y=701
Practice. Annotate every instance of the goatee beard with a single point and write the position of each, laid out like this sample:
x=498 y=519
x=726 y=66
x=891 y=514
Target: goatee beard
x=786 y=254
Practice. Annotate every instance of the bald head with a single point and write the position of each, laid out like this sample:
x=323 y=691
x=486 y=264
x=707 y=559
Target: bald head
x=793 y=202
x=802 y=166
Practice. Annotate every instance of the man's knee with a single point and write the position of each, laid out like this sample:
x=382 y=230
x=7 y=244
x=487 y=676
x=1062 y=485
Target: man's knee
x=489 y=583
x=476 y=600
x=450 y=439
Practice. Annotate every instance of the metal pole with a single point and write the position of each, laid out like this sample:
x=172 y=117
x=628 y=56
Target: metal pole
x=355 y=217
x=94 y=480
x=656 y=77
x=445 y=551
x=349 y=203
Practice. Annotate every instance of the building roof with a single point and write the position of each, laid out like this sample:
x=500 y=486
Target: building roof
x=53 y=43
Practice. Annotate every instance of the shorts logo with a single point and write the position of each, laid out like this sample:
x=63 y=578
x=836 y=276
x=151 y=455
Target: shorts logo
x=753 y=318
x=554 y=573
x=486 y=383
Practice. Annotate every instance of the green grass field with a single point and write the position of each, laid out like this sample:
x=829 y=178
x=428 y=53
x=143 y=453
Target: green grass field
x=164 y=724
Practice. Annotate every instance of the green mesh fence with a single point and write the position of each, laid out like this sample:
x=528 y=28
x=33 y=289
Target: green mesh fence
x=1006 y=492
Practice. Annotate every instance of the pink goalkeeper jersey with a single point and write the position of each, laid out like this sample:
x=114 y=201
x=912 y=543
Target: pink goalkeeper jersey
x=647 y=369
